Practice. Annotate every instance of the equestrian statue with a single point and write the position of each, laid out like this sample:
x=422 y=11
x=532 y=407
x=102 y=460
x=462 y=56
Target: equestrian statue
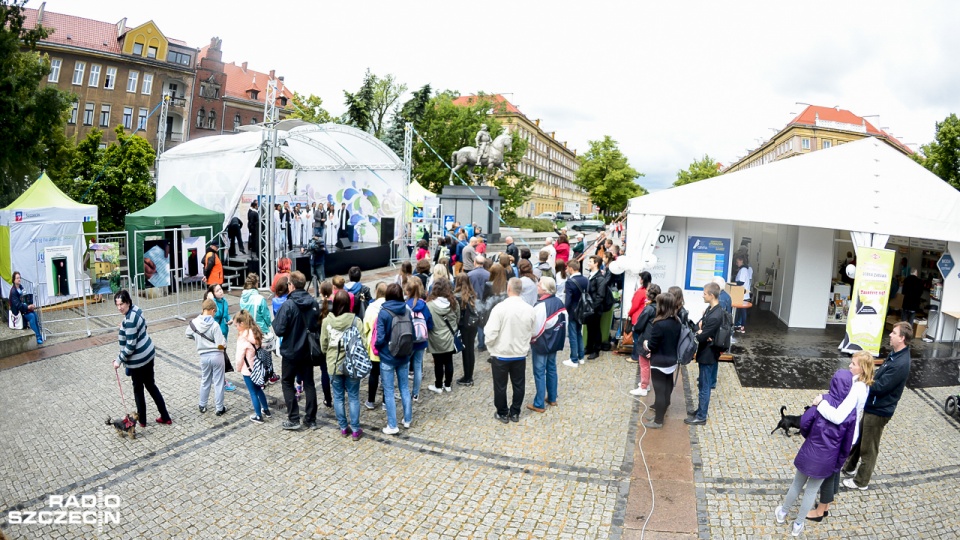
x=488 y=154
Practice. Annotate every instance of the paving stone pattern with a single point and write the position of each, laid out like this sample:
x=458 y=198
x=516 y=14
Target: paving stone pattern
x=457 y=473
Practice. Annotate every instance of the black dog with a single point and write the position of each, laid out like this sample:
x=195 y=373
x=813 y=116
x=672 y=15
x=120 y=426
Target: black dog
x=788 y=421
x=126 y=426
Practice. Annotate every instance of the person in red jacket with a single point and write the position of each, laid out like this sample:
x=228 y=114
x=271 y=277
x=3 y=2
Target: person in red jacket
x=639 y=297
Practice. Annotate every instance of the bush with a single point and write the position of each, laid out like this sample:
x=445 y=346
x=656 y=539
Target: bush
x=537 y=225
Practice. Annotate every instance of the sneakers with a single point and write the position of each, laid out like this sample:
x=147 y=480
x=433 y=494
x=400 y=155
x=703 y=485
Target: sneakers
x=631 y=360
x=202 y=408
x=274 y=379
x=849 y=483
x=694 y=421
x=503 y=418
x=639 y=391
x=166 y=422
x=434 y=389
x=465 y=382
x=266 y=413
x=222 y=411
x=357 y=435
x=593 y=356
x=534 y=408
x=406 y=425
x=229 y=387
x=370 y=405
x=848 y=474
x=797 y=528
x=345 y=432
x=391 y=430
x=256 y=419
x=311 y=425
x=651 y=424
x=571 y=363
x=410 y=375
x=416 y=398
x=292 y=426
x=447 y=389
x=780 y=514
x=39 y=341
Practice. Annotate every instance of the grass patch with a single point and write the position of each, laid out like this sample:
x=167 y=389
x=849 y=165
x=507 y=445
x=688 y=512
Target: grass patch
x=537 y=225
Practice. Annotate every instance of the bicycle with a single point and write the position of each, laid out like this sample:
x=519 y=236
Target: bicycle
x=950 y=405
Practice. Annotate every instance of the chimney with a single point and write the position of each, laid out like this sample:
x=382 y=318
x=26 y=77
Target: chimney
x=243 y=66
x=121 y=26
x=537 y=122
x=40 y=13
x=272 y=74
x=553 y=134
x=564 y=144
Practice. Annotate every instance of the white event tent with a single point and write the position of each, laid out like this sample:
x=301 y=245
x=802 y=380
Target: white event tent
x=332 y=163
x=865 y=187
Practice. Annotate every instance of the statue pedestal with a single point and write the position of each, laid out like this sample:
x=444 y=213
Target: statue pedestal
x=472 y=205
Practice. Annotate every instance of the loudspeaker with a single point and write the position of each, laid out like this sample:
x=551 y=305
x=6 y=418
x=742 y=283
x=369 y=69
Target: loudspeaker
x=386 y=230
x=344 y=243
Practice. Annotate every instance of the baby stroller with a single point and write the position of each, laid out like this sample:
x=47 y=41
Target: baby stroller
x=950 y=405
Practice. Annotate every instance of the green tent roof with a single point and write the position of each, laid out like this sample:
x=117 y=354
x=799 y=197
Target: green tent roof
x=173 y=209
x=45 y=194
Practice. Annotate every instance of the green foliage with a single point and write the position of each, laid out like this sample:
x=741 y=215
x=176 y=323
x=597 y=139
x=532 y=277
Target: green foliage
x=367 y=108
x=942 y=155
x=30 y=115
x=515 y=188
x=412 y=111
x=310 y=109
x=537 y=225
x=116 y=179
x=700 y=169
x=607 y=176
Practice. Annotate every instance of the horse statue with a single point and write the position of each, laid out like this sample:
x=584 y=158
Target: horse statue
x=493 y=157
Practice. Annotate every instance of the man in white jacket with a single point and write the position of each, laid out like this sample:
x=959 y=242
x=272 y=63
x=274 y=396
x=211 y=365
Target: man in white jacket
x=508 y=334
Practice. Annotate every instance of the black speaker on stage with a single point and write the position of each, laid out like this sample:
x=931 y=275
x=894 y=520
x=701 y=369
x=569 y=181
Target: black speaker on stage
x=344 y=243
x=386 y=230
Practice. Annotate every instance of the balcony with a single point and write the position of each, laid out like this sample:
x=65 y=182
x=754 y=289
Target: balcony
x=175 y=136
x=178 y=102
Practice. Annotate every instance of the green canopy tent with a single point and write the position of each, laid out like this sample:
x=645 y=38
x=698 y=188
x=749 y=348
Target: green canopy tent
x=172 y=211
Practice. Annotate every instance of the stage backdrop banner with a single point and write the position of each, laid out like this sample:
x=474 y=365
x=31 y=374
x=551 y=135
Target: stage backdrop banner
x=871 y=288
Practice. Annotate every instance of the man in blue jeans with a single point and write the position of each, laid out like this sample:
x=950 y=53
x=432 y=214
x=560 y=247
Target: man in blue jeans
x=574 y=288
x=549 y=333
x=707 y=354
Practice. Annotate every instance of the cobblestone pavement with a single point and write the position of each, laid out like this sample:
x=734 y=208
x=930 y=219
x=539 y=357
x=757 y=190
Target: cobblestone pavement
x=742 y=472
x=456 y=473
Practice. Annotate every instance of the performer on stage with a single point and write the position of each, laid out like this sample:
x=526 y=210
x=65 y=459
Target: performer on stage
x=297 y=225
x=343 y=219
x=286 y=215
x=330 y=231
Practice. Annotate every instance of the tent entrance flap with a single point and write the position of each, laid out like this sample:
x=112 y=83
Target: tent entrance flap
x=644 y=231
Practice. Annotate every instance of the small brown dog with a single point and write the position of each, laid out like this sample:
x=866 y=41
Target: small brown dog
x=126 y=425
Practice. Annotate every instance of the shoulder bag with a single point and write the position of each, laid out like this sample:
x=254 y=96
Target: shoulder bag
x=227 y=365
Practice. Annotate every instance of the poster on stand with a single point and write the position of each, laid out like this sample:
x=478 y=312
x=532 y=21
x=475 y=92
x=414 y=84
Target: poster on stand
x=868 y=307
x=60 y=270
x=666 y=251
x=192 y=254
x=156 y=263
x=706 y=257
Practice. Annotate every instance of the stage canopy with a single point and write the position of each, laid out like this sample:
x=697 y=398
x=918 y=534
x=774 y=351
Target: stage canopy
x=331 y=163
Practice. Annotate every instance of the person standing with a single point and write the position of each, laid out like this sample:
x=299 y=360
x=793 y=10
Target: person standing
x=418 y=307
x=885 y=393
x=508 y=334
x=233 y=234
x=445 y=312
x=369 y=340
x=707 y=354
x=249 y=339
x=577 y=249
x=27 y=311
x=253 y=228
x=469 y=253
x=478 y=278
x=343 y=221
x=461 y=244
x=744 y=278
x=662 y=347
x=393 y=369
x=551 y=253
x=346 y=389
x=222 y=318
x=318 y=253
x=641 y=332
x=298 y=315
x=563 y=248
x=576 y=286
x=286 y=217
x=136 y=355
x=598 y=290
x=212 y=267
x=549 y=330
x=467 y=301
x=912 y=290
x=512 y=249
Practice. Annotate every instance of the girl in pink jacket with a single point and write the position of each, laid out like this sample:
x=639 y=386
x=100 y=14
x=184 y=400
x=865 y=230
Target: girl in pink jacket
x=249 y=339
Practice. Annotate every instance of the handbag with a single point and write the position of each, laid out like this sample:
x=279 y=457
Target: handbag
x=457 y=340
x=316 y=354
x=16 y=321
x=227 y=365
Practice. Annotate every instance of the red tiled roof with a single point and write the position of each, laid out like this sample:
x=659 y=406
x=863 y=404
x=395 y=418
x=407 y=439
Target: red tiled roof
x=240 y=80
x=496 y=98
x=809 y=118
x=85 y=33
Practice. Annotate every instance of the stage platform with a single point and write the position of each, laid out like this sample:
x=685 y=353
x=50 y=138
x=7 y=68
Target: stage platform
x=770 y=355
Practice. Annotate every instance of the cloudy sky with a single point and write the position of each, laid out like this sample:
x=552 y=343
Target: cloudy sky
x=669 y=81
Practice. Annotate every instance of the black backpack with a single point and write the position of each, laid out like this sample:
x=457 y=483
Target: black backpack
x=687 y=345
x=584 y=307
x=725 y=332
x=400 y=344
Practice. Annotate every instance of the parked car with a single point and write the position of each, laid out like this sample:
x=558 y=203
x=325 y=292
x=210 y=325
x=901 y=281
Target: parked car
x=566 y=216
x=589 y=225
x=552 y=216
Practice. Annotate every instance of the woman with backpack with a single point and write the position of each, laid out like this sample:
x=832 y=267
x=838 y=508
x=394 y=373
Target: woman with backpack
x=641 y=332
x=446 y=316
x=249 y=339
x=335 y=350
x=466 y=298
x=393 y=368
x=662 y=348
x=369 y=337
x=419 y=308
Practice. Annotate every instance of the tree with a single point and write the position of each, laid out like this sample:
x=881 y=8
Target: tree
x=412 y=111
x=367 y=109
x=942 y=155
x=514 y=187
x=700 y=169
x=360 y=104
x=310 y=109
x=116 y=179
x=30 y=115
x=607 y=176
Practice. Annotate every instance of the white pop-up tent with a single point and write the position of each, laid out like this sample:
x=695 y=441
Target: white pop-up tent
x=332 y=163
x=42 y=221
x=865 y=187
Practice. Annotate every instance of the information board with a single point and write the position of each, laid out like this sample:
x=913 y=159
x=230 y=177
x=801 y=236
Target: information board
x=706 y=257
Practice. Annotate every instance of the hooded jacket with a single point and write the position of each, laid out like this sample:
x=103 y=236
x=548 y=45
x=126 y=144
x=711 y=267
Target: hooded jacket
x=222 y=316
x=330 y=342
x=246 y=355
x=297 y=316
x=827 y=445
x=446 y=317
x=212 y=338
x=384 y=325
x=361 y=294
x=212 y=267
x=419 y=306
x=256 y=305
x=369 y=325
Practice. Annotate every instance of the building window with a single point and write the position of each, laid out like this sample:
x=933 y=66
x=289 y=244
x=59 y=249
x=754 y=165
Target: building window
x=55 y=64
x=128 y=117
x=73 y=113
x=805 y=144
x=201 y=114
x=253 y=120
x=111 y=79
x=78 y=69
x=94 y=80
x=105 y=115
x=212 y=120
x=172 y=90
x=236 y=122
x=132 y=81
x=138 y=49
x=825 y=144
x=142 y=119
x=151 y=52
x=283 y=101
x=147 y=84
x=178 y=58
x=88 y=114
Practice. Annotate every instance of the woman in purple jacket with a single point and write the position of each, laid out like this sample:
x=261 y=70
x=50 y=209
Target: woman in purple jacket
x=824 y=451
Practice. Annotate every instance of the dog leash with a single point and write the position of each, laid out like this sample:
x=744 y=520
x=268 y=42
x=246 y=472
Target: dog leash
x=122 y=399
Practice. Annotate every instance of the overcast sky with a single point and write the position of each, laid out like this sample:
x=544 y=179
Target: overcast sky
x=669 y=81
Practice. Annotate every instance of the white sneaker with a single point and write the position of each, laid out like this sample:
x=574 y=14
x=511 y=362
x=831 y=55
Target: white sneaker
x=570 y=363
x=780 y=514
x=391 y=430
x=639 y=392
x=797 y=528
x=447 y=389
x=434 y=389
x=849 y=483
x=406 y=425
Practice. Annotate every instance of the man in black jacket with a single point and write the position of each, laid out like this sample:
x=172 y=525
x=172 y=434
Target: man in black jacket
x=885 y=392
x=912 y=290
x=233 y=233
x=598 y=292
x=707 y=354
x=253 y=228
x=512 y=249
x=299 y=315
